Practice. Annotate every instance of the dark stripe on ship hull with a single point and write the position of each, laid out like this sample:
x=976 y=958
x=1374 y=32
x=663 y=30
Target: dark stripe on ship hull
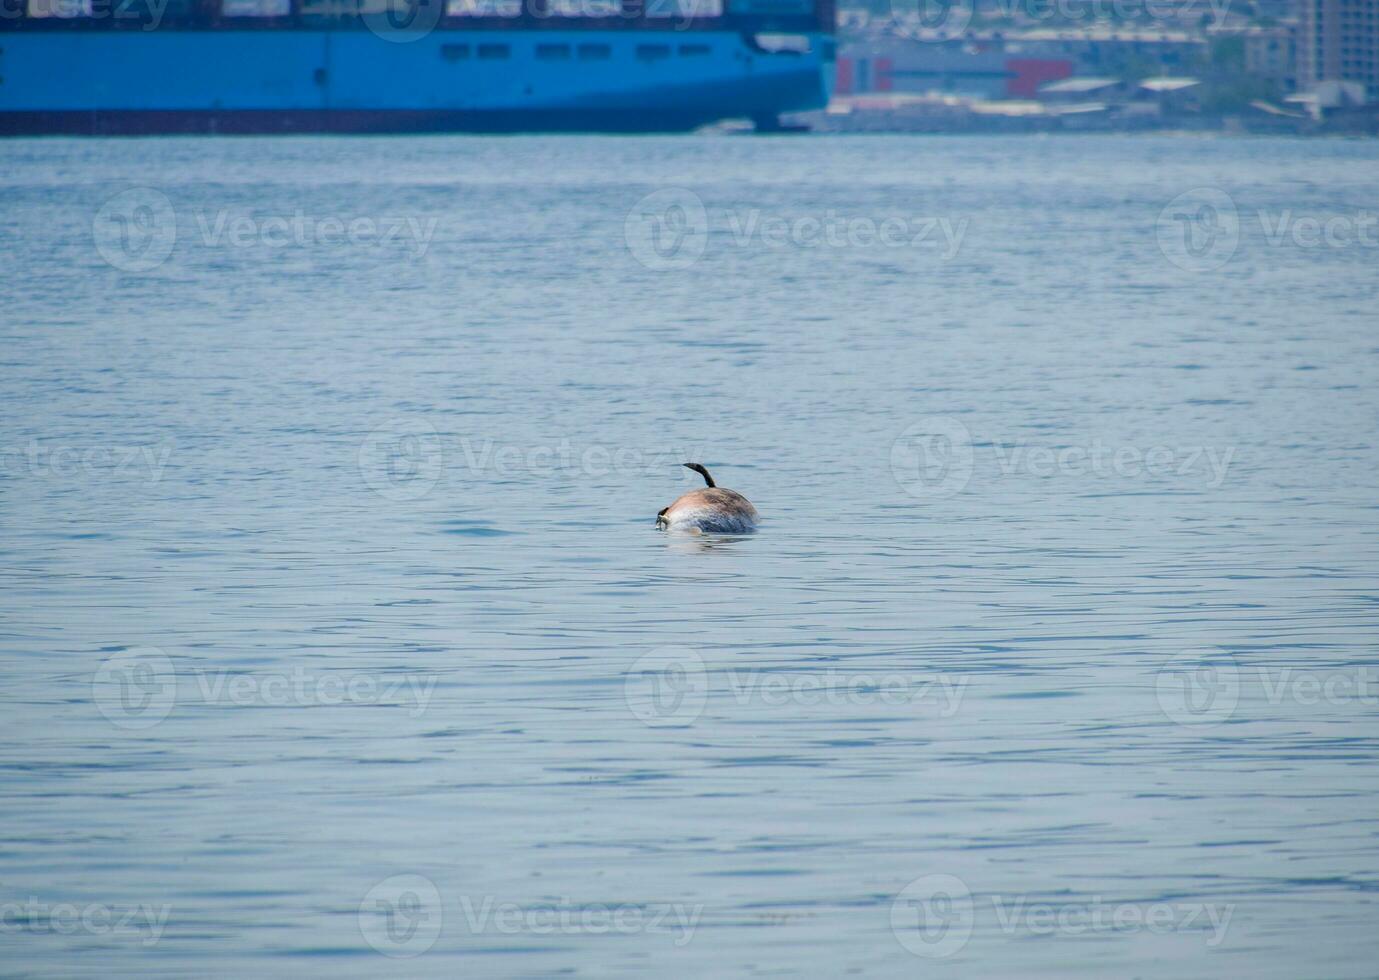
x=666 y=112
x=121 y=122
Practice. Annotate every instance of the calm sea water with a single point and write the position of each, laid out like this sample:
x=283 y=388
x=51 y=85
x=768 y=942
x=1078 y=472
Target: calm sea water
x=337 y=637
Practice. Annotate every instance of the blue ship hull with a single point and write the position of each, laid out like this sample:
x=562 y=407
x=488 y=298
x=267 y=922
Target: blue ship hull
x=258 y=81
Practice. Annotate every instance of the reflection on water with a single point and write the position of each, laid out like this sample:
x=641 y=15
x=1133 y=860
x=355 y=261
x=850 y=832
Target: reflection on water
x=337 y=630
x=695 y=542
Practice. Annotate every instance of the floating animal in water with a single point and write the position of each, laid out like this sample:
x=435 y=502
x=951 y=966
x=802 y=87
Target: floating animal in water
x=709 y=509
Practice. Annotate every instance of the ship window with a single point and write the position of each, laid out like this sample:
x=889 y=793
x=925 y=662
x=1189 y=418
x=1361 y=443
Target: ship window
x=494 y=51
x=454 y=52
x=690 y=50
x=553 y=52
x=653 y=52
x=595 y=52
x=484 y=8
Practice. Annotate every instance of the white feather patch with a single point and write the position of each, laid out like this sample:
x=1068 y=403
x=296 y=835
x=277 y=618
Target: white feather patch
x=710 y=519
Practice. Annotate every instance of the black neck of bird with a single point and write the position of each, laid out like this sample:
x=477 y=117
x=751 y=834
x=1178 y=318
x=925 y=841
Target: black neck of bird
x=702 y=472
